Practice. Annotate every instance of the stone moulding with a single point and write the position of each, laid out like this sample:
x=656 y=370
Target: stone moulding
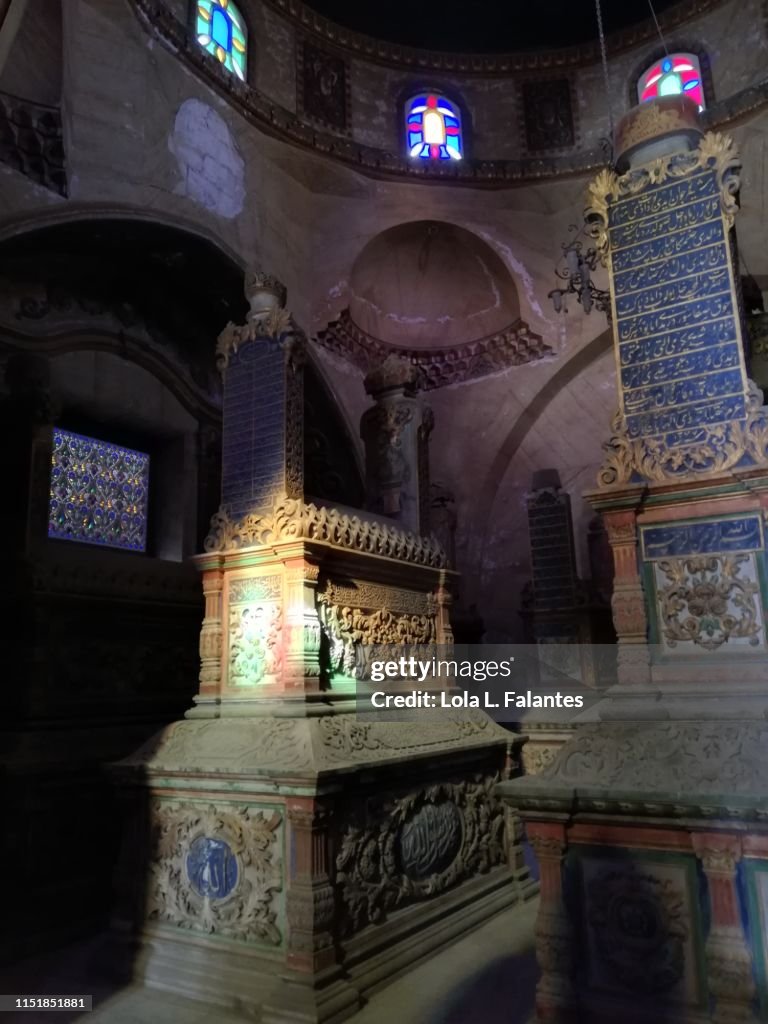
x=393 y=55
x=436 y=367
x=277 y=121
x=714 y=770
x=292 y=519
x=266 y=746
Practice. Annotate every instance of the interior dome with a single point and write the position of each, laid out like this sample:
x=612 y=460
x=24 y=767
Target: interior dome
x=431 y=284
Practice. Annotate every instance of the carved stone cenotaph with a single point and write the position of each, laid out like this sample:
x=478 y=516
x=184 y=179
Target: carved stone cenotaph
x=650 y=825
x=285 y=855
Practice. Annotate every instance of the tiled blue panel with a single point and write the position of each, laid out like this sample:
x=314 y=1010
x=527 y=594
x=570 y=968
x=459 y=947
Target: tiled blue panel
x=719 y=357
x=656 y=228
x=658 y=199
x=253 y=445
x=675 y=314
x=678 y=343
x=669 y=246
x=716 y=536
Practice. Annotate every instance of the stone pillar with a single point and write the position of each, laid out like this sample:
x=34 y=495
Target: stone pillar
x=729 y=962
x=396 y=433
x=628 y=600
x=554 y=934
x=311 y=898
x=211 y=634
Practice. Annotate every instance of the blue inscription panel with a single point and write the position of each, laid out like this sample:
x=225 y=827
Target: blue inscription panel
x=716 y=536
x=253 y=441
x=676 y=322
x=211 y=868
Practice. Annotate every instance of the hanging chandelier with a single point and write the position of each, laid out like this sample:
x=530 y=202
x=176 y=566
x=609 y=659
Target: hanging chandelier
x=575 y=268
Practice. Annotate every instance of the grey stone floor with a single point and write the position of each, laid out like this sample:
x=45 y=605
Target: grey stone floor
x=488 y=977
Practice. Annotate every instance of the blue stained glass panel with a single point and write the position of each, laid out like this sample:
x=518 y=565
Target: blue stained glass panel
x=99 y=492
x=220 y=29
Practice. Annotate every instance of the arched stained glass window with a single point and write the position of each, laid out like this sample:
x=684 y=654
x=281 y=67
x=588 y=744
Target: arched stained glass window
x=674 y=75
x=222 y=32
x=433 y=128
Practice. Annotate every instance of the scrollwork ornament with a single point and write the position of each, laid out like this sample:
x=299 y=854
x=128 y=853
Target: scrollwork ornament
x=293 y=519
x=723 y=447
x=705 y=601
x=250 y=837
x=273 y=325
x=379 y=864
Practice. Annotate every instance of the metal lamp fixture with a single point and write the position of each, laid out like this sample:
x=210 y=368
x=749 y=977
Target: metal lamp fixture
x=576 y=266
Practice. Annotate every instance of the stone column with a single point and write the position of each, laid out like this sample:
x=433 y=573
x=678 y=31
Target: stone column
x=396 y=432
x=211 y=634
x=554 y=934
x=729 y=962
x=630 y=617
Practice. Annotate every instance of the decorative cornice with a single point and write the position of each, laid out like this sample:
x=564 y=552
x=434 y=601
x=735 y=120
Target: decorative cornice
x=275 y=120
x=437 y=367
x=412 y=58
x=276 y=324
x=292 y=519
x=712 y=770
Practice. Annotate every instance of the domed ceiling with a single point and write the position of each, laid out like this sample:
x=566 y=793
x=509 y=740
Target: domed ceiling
x=431 y=284
x=486 y=26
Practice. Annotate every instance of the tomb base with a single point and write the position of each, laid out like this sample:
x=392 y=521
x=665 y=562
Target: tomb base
x=288 y=866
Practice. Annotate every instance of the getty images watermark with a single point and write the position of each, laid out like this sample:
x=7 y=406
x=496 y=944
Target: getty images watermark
x=510 y=683
x=449 y=670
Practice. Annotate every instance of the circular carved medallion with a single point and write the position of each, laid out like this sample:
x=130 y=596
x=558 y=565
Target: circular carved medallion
x=211 y=868
x=430 y=839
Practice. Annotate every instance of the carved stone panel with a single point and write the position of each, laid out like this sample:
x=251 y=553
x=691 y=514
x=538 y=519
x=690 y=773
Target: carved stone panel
x=641 y=929
x=548 y=114
x=707 y=584
x=255 y=631
x=401 y=848
x=323 y=87
x=218 y=870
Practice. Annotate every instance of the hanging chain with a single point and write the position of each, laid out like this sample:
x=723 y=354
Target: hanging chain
x=604 y=56
x=658 y=27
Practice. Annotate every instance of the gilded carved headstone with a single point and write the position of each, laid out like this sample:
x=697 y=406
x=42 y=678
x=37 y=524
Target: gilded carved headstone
x=663 y=228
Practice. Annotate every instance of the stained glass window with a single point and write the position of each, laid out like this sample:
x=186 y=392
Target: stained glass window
x=433 y=128
x=98 y=492
x=221 y=31
x=673 y=75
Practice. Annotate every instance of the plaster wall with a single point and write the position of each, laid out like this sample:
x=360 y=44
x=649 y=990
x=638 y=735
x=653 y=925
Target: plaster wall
x=306 y=218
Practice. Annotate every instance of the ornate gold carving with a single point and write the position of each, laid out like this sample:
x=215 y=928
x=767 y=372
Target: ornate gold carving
x=706 y=602
x=715 y=152
x=346 y=627
x=361 y=594
x=649 y=121
x=722 y=447
x=247 y=912
x=273 y=325
x=293 y=519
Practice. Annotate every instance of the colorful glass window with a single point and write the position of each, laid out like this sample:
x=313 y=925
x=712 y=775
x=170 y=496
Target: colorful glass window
x=674 y=75
x=433 y=128
x=221 y=32
x=98 y=492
